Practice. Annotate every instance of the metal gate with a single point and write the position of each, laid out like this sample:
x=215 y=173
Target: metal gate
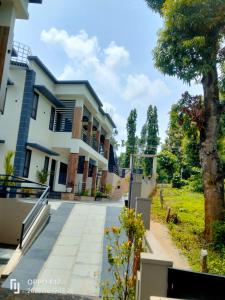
x=197 y=286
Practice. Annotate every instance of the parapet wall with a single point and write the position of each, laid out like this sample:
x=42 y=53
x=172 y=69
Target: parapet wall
x=12 y=214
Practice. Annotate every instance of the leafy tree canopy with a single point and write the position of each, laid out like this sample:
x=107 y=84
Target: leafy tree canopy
x=190 y=42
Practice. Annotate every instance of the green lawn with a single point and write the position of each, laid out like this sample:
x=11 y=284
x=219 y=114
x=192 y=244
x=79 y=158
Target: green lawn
x=188 y=233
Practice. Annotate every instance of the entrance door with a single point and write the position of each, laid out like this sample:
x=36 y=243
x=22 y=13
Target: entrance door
x=52 y=175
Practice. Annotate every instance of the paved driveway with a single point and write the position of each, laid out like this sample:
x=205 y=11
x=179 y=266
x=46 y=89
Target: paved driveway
x=69 y=256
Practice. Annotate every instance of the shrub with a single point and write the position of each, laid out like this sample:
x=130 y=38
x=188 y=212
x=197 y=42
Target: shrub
x=108 y=188
x=196 y=183
x=219 y=234
x=177 y=181
x=124 y=248
x=85 y=193
x=42 y=176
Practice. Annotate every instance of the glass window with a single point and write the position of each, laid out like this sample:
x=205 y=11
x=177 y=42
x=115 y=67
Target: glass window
x=27 y=163
x=35 y=106
x=52 y=119
x=62 y=173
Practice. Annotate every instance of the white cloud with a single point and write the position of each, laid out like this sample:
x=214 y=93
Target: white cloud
x=140 y=89
x=119 y=120
x=108 y=71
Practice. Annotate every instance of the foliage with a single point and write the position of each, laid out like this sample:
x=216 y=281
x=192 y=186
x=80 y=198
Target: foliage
x=189 y=44
x=167 y=165
x=124 y=248
x=219 y=235
x=8 y=166
x=100 y=195
x=108 y=188
x=84 y=193
x=152 y=139
x=131 y=144
x=188 y=233
x=195 y=181
x=42 y=176
x=177 y=181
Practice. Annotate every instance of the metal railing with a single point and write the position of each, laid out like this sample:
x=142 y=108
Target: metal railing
x=33 y=215
x=10 y=186
x=91 y=141
x=22 y=52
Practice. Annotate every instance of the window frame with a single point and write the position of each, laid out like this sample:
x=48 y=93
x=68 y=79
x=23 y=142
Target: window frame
x=35 y=106
x=46 y=164
x=52 y=118
x=26 y=167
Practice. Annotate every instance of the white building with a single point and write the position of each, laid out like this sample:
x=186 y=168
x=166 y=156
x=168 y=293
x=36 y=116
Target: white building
x=10 y=10
x=58 y=126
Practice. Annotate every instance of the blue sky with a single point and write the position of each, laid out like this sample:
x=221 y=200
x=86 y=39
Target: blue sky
x=109 y=43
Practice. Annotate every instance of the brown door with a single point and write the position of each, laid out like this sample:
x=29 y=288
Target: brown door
x=4 y=35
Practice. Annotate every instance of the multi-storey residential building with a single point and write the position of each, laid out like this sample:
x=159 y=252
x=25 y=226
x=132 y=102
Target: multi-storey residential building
x=10 y=10
x=59 y=126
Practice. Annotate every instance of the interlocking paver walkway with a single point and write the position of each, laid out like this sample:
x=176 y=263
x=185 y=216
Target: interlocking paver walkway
x=69 y=256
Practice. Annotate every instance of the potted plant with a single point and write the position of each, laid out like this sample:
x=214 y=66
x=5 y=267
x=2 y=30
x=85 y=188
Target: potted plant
x=9 y=170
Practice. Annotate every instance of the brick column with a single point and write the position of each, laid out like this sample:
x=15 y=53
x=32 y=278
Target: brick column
x=94 y=179
x=106 y=148
x=104 y=179
x=90 y=129
x=72 y=170
x=85 y=175
x=77 y=122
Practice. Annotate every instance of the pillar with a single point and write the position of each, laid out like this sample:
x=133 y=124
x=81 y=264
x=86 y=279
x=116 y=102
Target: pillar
x=98 y=136
x=77 y=122
x=7 y=21
x=94 y=179
x=106 y=148
x=90 y=130
x=85 y=174
x=143 y=207
x=72 y=170
x=104 y=179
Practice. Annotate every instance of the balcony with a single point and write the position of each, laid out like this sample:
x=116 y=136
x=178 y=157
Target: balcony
x=92 y=142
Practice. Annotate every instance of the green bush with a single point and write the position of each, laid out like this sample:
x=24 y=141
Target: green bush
x=178 y=182
x=219 y=234
x=85 y=193
x=195 y=182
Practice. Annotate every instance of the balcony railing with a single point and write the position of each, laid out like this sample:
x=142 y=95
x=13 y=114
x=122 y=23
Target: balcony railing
x=91 y=141
x=20 y=54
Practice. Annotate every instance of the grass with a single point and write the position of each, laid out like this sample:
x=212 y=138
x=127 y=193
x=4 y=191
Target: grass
x=188 y=233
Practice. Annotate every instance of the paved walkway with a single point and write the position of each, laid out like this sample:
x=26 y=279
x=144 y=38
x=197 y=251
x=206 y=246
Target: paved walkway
x=69 y=256
x=162 y=235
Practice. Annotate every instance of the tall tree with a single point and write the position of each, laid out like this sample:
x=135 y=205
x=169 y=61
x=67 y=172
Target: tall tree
x=131 y=144
x=152 y=139
x=190 y=47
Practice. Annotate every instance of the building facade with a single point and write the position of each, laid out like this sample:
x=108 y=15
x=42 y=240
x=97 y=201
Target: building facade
x=56 y=126
x=10 y=10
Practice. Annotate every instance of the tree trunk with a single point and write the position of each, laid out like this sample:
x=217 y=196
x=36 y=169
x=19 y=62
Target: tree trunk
x=212 y=172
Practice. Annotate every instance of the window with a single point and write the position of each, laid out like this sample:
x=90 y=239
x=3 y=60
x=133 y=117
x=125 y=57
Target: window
x=27 y=163
x=62 y=173
x=4 y=101
x=46 y=164
x=35 y=106
x=52 y=118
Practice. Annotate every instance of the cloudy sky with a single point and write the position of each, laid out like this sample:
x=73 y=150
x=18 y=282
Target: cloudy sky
x=110 y=44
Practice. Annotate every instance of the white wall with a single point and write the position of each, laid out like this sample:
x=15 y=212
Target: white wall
x=9 y=121
x=39 y=129
x=37 y=164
